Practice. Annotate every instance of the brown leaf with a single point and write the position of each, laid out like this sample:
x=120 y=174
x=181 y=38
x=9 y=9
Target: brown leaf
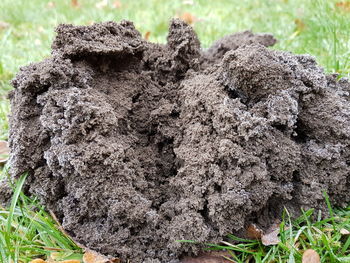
x=343 y=6
x=4 y=152
x=75 y=3
x=188 y=18
x=254 y=232
x=147 y=34
x=212 y=257
x=270 y=237
x=4 y=25
x=91 y=256
x=117 y=4
x=37 y=260
x=311 y=256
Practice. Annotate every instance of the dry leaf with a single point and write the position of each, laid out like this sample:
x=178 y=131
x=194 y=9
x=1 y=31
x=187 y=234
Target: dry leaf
x=4 y=152
x=344 y=231
x=343 y=6
x=212 y=257
x=147 y=34
x=254 y=232
x=75 y=3
x=117 y=4
x=101 y=4
x=91 y=256
x=270 y=237
x=69 y=261
x=37 y=260
x=4 y=25
x=188 y=18
x=311 y=256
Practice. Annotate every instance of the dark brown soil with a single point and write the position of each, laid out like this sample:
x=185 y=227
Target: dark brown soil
x=135 y=145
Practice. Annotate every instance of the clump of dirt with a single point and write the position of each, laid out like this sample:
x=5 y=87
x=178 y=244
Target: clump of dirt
x=135 y=145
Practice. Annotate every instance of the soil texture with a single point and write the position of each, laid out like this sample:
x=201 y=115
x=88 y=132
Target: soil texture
x=134 y=145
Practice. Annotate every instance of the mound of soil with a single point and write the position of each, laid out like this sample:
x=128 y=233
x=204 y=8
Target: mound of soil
x=134 y=145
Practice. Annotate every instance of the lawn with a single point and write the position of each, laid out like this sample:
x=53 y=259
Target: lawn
x=316 y=27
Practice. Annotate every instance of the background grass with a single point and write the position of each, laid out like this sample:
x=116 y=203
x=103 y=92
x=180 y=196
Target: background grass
x=317 y=27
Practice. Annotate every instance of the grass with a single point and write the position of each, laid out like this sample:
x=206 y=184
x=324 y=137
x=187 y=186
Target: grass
x=309 y=231
x=317 y=27
x=27 y=231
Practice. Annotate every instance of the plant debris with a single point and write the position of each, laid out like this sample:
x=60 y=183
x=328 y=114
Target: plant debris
x=311 y=256
x=4 y=152
x=268 y=237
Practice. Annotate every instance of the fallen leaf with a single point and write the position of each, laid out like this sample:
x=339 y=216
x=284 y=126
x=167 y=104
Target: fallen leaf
x=4 y=25
x=37 y=260
x=254 y=232
x=4 y=152
x=270 y=237
x=344 y=231
x=188 y=18
x=343 y=6
x=311 y=256
x=147 y=34
x=91 y=256
x=117 y=4
x=212 y=257
x=101 y=4
x=75 y=3
x=69 y=261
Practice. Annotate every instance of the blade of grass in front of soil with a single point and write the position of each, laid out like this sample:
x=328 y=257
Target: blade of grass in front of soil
x=27 y=231
x=309 y=231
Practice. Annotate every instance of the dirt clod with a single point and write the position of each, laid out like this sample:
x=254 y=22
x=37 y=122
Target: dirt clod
x=135 y=145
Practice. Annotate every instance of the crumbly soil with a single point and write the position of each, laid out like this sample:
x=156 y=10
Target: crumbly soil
x=134 y=145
